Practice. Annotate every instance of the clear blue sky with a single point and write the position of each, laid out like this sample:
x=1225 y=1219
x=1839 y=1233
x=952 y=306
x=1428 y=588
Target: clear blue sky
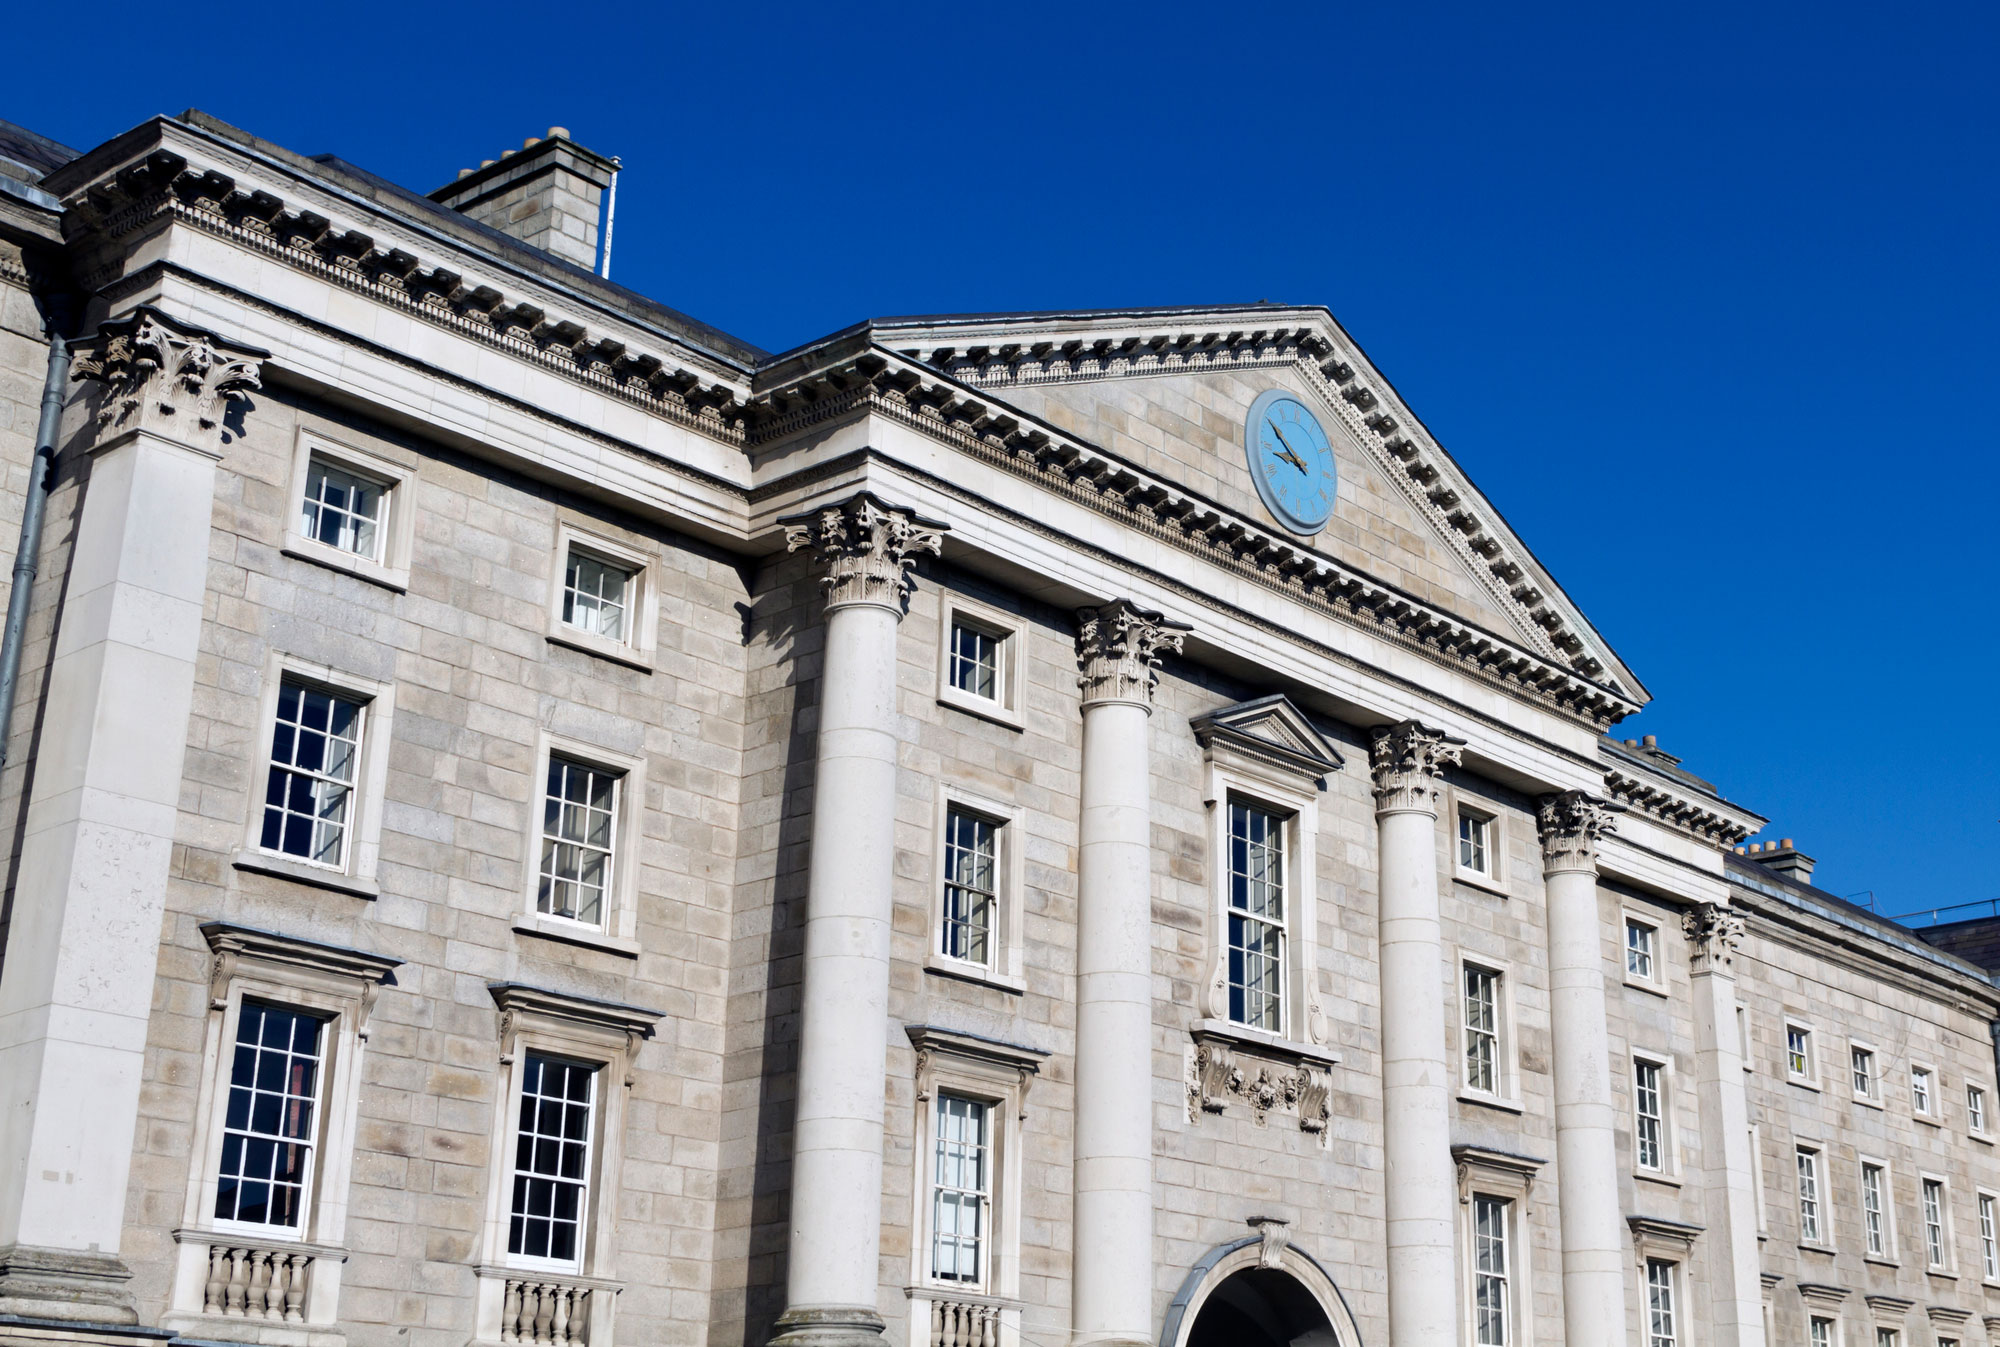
x=1703 y=297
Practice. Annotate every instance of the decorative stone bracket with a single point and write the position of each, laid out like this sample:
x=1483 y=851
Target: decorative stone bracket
x=1267 y=1078
x=168 y=377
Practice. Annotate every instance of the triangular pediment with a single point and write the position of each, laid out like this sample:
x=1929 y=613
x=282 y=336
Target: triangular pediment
x=1169 y=390
x=1272 y=730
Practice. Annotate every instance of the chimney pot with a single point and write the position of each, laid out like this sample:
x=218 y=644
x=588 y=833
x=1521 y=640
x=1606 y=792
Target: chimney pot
x=465 y=173
x=558 y=133
x=1631 y=743
x=1786 y=844
x=486 y=163
x=508 y=154
x=1652 y=741
x=531 y=142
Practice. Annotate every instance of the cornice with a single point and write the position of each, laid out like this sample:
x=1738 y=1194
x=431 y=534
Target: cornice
x=162 y=187
x=875 y=380
x=1916 y=969
x=1684 y=811
x=1402 y=450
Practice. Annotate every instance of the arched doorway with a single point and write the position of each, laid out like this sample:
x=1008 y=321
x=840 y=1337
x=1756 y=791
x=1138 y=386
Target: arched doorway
x=1261 y=1307
x=1261 y=1291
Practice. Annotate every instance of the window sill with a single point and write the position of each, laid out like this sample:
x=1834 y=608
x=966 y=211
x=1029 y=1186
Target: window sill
x=1492 y=1101
x=1880 y=1260
x=973 y=973
x=301 y=548
x=571 y=933
x=1285 y=1049
x=313 y=876
x=1804 y=1083
x=1649 y=987
x=1472 y=879
x=1825 y=1249
x=604 y=648
x=1983 y=1138
x=1926 y=1119
x=982 y=708
x=1863 y=1101
x=1941 y=1274
x=1660 y=1178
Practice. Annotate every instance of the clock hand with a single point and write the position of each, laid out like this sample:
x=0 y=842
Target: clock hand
x=1290 y=455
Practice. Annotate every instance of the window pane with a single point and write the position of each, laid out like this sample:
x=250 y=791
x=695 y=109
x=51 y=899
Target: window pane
x=1660 y=1331
x=1491 y=1288
x=269 y=1123
x=341 y=510
x=1638 y=950
x=975 y=661
x=1650 y=1132
x=971 y=886
x=1808 y=1168
x=578 y=826
x=1472 y=831
x=552 y=1159
x=1482 y=1030
x=1256 y=917
x=315 y=752
x=1873 y=1228
x=595 y=595
x=961 y=1188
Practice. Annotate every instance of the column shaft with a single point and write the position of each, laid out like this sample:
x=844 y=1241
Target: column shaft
x=1111 y=1291
x=96 y=850
x=1420 y=1200
x=1593 y=1244
x=833 y=1274
x=1728 y=1179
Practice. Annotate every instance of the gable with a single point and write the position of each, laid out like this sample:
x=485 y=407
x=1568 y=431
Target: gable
x=1270 y=730
x=1170 y=391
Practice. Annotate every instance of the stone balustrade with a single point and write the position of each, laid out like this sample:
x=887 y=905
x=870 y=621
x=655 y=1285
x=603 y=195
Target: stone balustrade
x=546 y=1312
x=964 y=1324
x=246 y=1281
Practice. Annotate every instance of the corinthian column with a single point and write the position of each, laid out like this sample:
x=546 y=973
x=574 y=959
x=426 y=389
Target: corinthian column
x=1416 y=1080
x=1586 y=1145
x=77 y=992
x=1713 y=933
x=832 y=1276
x=1111 y=1291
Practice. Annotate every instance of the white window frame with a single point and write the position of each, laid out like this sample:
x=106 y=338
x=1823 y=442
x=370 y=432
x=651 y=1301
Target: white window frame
x=1669 y=1168
x=1506 y=1093
x=395 y=532
x=1885 y=1336
x=361 y=860
x=1809 y=1078
x=1821 y=1237
x=1978 y=1103
x=1502 y=1177
x=619 y=932
x=1986 y=1214
x=999 y=1075
x=1872 y=1096
x=331 y=981
x=601 y=1034
x=1932 y=1110
x=1813 y=1336
x=1493 y=877
x=1006 y=968
x=1924 y=1181
x=637 y=649
x=1655 y=980
x=1888 y=1253
x=1676 y=1303
x=1300 y=1017
x=1010 y=634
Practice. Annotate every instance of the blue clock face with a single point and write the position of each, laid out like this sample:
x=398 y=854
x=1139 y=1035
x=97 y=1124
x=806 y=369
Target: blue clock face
x=1291 y=461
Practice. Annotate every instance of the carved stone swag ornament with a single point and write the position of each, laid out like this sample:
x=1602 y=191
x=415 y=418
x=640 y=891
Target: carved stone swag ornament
x=168 y=377
x=1118 y=650
x=1216 y=1074
x=867 y=547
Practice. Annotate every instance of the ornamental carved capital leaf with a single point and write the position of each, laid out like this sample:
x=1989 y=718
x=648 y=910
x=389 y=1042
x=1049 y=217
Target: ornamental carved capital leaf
x=865 y=547
x=1118 y=651
x=1714 y=933
x=1407 y=759
x=168 y=377
x=1571 y=824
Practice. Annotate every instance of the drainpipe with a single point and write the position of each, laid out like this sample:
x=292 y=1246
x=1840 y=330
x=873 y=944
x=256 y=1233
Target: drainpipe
x=610 y=218
x=41 y=469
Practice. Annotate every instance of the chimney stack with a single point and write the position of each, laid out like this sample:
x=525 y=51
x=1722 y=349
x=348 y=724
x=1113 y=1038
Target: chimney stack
x=548 y=194
x=1783 y=857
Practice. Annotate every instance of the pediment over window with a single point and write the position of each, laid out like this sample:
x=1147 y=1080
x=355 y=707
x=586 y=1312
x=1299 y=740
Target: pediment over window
x=1269 y=732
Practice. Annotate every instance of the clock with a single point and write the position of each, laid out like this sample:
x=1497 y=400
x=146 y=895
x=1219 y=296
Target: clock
x=1291 y=461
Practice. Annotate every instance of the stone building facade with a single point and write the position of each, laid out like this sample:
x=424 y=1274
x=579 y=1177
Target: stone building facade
x=534 y=821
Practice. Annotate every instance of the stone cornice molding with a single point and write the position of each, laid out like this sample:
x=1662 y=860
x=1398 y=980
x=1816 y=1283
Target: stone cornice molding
x=1119 y=646
x=1947 y=1316
x=874 y=380
x=1407 y=759
x=1661 y=798
x=1822 y=1295
x=1402 y=450
x=167 y=377
x=1908 y=964
x=1571 y=825
x=866 y=547
x=1714 y=933
x=162 y=186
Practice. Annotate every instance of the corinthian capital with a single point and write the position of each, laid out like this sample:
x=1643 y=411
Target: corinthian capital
x=1119 y=647
x=867 y=547
x=1407 y=760
x=1714 y=933
x=1570 y=824
x=168 y=377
